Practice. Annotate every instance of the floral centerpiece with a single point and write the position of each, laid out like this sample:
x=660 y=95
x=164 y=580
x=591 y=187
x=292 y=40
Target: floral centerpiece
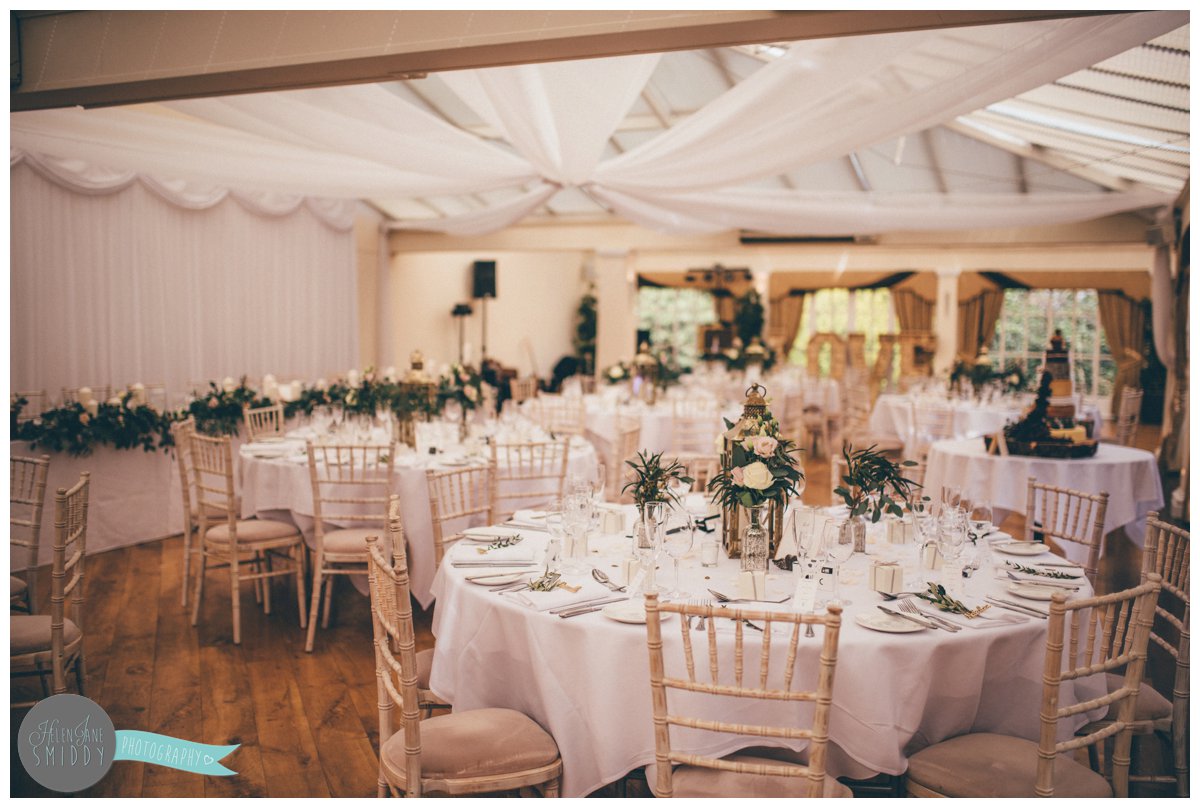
x=871 y=486
x=620 y=372
x=78 y=428
x=219 y=411
x=363 y=395
x=759 y=472
x=462 y=383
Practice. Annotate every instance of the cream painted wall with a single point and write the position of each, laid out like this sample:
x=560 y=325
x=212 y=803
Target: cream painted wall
x=537 y=293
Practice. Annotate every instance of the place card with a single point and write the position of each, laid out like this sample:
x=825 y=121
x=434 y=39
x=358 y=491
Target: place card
x=804 y=599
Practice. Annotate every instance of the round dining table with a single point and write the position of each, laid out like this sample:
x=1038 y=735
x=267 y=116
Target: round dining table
x=275 y=484
x=892 y=414
x=1129 y=476
x=585 y=679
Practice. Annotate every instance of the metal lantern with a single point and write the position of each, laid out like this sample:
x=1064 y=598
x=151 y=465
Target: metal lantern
x=416 y=385
x=733 y=519
x=645 y=375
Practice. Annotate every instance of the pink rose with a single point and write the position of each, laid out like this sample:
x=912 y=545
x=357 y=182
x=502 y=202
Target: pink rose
x=736 y=474
x=765 y=445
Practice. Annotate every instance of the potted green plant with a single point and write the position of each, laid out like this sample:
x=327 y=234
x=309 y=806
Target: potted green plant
x=652 y=479
x=872 y=485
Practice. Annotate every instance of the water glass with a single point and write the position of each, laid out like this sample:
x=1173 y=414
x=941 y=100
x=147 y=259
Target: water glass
x=648 y=542
x=679 y=534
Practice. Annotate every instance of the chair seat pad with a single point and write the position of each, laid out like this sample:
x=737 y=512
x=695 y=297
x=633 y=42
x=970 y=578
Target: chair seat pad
x=476 y=743
x=251 y=531
x=986 y=765
x=351 y=540
x=1150 y=705
x=30 y=633
x=699 y=781
x=215 y=511
x=17 y=587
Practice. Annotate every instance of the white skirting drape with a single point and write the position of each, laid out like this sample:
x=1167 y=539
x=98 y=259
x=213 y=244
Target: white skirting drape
x=116 y=285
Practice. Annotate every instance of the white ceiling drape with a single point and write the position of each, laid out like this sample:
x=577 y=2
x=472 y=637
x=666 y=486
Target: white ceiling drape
x=824 y=99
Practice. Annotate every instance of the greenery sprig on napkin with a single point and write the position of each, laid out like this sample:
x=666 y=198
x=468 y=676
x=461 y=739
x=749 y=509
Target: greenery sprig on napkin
x=1036 y=571
x=507 y=541
x=546 y=583
x=936 y=594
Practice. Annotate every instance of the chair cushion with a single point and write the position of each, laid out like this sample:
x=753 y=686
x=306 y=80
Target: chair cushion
x=250 y=531
x=1150 y=705
x=986 y=765
x=351 y=540
x=30 y=633
x=699 y=781
x=215 y=511
x=475 y=743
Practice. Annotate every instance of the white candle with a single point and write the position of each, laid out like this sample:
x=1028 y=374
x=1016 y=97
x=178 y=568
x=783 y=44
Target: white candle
x=85 y=395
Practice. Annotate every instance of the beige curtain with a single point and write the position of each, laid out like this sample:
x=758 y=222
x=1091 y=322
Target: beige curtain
x=786 y=312
x=1124 y=324
x=913 y=312
x=977 y=319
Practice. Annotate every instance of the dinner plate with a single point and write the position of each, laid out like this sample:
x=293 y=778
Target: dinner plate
x=458 y=461
x=629 y=611
x=497 y=579
x=1033 y=592
x=1021 y=548
x=879 y=621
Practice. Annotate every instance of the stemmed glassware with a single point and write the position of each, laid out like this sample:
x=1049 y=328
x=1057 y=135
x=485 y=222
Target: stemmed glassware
x=648 y=542
x=679 y=534
x=839 y=547
x=952 y=534
x=577 y=521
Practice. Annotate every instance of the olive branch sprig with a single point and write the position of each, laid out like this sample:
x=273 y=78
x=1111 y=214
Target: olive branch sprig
x=1036 y=571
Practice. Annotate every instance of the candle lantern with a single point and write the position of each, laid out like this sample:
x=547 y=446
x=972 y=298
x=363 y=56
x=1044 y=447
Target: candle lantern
x=733 y=519
x=417 y=397
x=645 y=375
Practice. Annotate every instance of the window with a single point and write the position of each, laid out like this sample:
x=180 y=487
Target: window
x=1029 y=319
x=672 y=316
x=843 y=311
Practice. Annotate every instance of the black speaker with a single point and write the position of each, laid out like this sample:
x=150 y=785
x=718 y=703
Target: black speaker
x=643 y=336
x=483 y=279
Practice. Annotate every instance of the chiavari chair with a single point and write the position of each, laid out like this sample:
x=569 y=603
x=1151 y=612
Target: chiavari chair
x=26 y=497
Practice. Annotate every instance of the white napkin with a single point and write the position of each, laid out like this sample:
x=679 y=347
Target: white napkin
x=517 y=553
x=268 y=448
x=492 y=532
x=996 y=618
x=544 y=601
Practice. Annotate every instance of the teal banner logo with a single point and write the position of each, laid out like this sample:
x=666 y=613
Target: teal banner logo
x=176 y=753
x=67 y=743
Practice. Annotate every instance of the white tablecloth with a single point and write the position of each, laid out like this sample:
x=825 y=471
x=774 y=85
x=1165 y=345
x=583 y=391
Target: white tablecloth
x=134 y=495
x=1130 y=476
x=892 y=415
x=281 y=489
x=586 y=679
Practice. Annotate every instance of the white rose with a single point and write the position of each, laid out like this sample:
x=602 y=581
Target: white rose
x=757 y=476
x=228 y=384
x=92 y=406
x=115 y=401
x=353 y=378
x=85 y=395
x=322 y=384
x=269 y=380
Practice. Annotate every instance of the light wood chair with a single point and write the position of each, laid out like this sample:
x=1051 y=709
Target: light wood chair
x=749 y=773
x=791 y=422
x=181 y=432
x=1115 y=630
x=523 y=389
x=856 y=418
x=1167 y=554
x=930 y=423
x=263 y=422
x=1065 y=515
x=470 y=752
x=26 y=497
x=459 y=494
x=1129 y=415
x=527 y=474
x=50 y=645
x=351 y=485
x=701 y=468
x=35 y=403
x=615 y=452
x=559 y=415
x=231 y=542
x=695 y=434
x=695 y=407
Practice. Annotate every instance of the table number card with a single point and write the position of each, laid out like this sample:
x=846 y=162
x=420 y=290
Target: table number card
x=822 y=572
x=804 y=599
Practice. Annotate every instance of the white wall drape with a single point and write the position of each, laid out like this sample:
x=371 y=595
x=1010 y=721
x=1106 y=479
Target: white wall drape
x=824 y=99
x=124 y=286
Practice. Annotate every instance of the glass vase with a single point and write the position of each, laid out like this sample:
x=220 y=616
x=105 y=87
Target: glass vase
x=754 y=541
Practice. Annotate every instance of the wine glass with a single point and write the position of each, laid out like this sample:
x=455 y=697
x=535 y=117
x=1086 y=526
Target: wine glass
x=598 y=486
x=576 y=519
x=952 y=533
x=981 y=515
x=679 y=535
x=556 y=527
x=648 y=541
x=839 y=547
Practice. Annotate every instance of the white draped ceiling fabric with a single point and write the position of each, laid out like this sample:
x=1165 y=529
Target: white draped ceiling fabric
x=823 y=99
x=118 y=278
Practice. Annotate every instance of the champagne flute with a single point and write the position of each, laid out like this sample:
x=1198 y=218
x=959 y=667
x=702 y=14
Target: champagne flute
x=648 y=541
x=839 y=547
x=678 y=536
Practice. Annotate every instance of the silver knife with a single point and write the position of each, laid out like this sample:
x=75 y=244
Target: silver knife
x=909 y=618
x=946 y=624
x=588 y=609
x=599 y=600
x=1027 y=609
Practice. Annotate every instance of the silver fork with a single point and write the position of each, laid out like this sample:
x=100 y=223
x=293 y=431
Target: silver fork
x=726 y=599
x=911 y=608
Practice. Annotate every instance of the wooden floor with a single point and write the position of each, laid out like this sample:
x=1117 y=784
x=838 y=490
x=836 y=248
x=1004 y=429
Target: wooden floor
x=306 y=723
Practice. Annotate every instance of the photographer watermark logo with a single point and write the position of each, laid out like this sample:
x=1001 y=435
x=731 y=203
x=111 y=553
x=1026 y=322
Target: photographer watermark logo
x=67 y=743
